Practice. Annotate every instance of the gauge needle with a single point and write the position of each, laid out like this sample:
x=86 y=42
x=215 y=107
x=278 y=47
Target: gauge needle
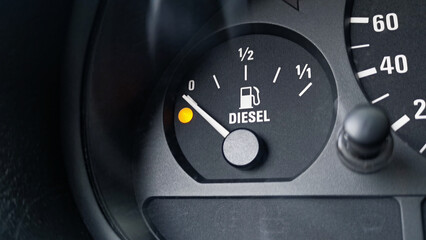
x=206 y=116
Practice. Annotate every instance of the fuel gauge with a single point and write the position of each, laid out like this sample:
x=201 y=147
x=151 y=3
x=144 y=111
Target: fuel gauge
x=261 y=106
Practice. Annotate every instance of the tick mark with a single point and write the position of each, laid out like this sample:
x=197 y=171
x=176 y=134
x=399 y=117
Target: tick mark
x=400 y=123
x=363 y=20
x=305 y=89
x=276 y=74
x=423 y=149
x=380 y=98
x=360 y=46
x=366 y=73
x=215 y=80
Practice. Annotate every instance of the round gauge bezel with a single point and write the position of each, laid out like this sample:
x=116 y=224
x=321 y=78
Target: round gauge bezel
x=184 y=63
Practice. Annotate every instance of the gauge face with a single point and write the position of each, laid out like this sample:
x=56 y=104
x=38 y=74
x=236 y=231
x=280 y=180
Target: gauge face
x=388 y=48
x=254 y=107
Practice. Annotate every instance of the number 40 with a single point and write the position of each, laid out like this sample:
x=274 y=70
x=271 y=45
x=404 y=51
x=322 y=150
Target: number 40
x=399 y=64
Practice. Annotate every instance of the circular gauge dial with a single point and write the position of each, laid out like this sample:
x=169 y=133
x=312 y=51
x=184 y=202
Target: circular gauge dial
x=254 y=107
x=388 y=48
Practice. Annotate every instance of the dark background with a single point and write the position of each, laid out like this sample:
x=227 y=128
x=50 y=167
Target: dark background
x=35 y=198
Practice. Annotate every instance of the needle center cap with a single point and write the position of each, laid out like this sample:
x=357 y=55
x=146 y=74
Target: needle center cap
x=242 y=148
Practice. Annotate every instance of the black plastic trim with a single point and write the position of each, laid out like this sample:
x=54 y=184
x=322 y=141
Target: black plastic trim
x=85 y=16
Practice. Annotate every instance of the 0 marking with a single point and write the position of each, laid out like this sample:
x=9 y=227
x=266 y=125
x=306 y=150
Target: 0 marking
x=215 y=80
x=400 y=123
x=305 y=89
x=276 y=74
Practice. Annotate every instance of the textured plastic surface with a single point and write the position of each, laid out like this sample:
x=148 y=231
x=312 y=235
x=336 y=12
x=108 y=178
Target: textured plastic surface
x=35 y=198
x=275 y=218
x=424 y=217
x=122 y=86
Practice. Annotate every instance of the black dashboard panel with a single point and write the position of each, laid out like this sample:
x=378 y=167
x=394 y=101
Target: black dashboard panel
x=35 y=196
x=116 y=116
x=274 y=218
x=424 y=217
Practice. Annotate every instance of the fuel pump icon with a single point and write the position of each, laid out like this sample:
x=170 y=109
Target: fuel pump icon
x=249 y=97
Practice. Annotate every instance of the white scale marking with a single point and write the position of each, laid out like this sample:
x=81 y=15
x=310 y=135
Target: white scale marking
x=380 y=98
x=400 y=123
x=363 y=20
x=276 y=74
x=366 y=73
x=215 y=80
x=245 y=72
x=360 y=46
x=423 y=149
x=305 y=89
x=303 y=71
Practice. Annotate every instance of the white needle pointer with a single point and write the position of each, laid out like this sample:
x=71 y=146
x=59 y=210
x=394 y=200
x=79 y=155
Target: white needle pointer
x=206 y=116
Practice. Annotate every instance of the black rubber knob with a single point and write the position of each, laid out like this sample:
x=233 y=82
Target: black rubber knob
x=367 y=125
x=242 y=148
x=365 y=143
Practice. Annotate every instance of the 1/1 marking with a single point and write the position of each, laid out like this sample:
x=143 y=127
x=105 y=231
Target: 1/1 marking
x=380 y=98
x=400 y=123
x=363 y=20
x=305 y=89
x=276 y=74
x=217 y=83
x=366 y=73
x=306 y=70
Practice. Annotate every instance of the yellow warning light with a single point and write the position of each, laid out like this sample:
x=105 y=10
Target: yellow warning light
x=185 y=115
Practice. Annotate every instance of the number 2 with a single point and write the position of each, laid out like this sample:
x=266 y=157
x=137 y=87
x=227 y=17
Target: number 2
x=420 y=113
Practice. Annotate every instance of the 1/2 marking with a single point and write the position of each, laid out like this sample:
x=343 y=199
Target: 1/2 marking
x=305 y=89
x=366 y=73
x=400 y=123
x=380 y=98
x=276 y=74
x=245 y=72
x=363 y=20
x=246 y=52
x=217 y=83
